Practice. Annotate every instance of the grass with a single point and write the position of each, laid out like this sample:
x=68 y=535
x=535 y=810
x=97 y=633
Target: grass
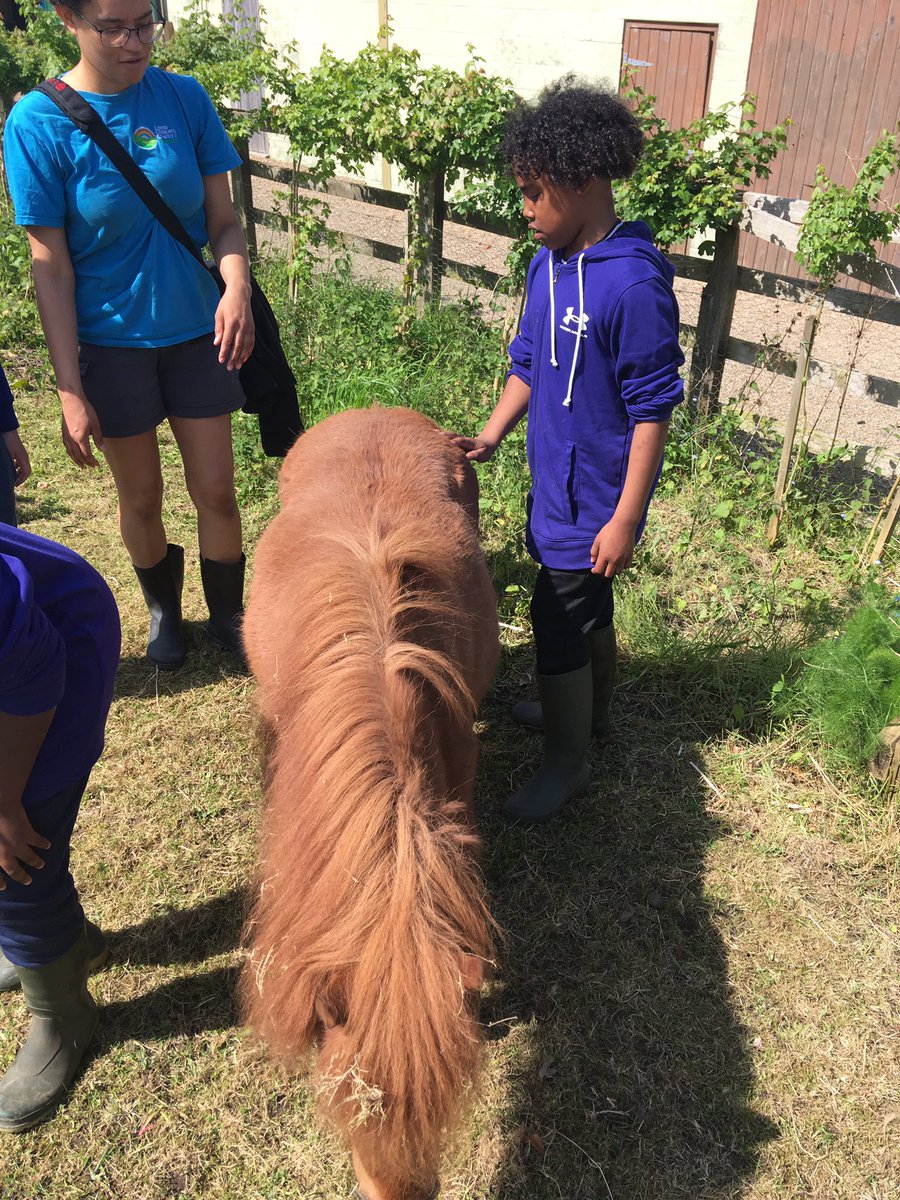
x=697 y=996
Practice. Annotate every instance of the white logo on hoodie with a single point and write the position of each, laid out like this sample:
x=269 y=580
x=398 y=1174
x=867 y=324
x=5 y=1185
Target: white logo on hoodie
x=572 y=318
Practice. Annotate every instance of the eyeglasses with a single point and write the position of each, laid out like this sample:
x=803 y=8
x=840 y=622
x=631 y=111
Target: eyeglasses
x=118 y=37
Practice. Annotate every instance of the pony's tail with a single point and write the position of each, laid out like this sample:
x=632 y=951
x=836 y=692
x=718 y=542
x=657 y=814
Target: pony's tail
x=399 y=1068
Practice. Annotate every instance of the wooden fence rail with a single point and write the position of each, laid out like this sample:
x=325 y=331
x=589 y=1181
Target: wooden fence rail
x=771 y=218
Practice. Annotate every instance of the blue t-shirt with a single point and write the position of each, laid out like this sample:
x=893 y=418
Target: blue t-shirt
x=59 y=646
x=134 y=284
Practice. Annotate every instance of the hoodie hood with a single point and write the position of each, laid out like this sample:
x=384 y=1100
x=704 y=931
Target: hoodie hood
x=627 y=239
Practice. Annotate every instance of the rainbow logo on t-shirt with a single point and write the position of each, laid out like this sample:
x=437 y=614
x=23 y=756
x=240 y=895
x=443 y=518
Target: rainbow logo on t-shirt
x=145 y=138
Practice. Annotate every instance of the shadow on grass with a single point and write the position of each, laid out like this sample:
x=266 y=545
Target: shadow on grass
x=184 y=935
x=637 y=1075
x=185 y=1007
x=205 y=664
x=40 y=506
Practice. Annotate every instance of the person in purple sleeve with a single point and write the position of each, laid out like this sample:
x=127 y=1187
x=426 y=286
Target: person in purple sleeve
x=59 y=649
x=14 y=463
x=595 y=367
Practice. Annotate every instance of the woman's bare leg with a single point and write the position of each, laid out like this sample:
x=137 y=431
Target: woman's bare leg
x=134 y=462
x=208 y=458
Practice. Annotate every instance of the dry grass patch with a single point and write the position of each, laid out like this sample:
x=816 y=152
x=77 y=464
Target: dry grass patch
x=697 y=997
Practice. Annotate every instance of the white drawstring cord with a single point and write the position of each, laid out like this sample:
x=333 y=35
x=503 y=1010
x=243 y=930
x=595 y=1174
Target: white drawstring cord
x=553 y=362
x=568 y=400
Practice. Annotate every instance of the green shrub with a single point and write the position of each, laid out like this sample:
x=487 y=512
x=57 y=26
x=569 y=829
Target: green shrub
x=850 y=685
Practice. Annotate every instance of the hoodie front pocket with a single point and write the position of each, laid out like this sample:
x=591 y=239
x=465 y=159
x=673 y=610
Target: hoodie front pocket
x=570 y=484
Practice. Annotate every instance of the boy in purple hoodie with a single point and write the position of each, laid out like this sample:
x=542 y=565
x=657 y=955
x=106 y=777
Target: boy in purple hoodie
x=595 y=367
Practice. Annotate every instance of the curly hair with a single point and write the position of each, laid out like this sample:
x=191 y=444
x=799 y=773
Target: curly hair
x=574 y=132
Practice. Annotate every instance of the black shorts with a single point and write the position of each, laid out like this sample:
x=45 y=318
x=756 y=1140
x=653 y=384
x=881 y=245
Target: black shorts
x=135 y=388
x=566 y=607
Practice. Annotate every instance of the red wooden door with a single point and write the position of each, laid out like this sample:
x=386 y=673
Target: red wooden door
x=833 y=67
x=672 y=63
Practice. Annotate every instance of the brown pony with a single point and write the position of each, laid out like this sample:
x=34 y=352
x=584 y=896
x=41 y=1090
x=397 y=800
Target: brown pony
x=372 y=630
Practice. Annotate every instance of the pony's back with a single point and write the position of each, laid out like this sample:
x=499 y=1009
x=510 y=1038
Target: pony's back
x=372 y=631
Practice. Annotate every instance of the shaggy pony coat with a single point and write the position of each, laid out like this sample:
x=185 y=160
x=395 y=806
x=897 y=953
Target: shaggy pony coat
x=372 y=631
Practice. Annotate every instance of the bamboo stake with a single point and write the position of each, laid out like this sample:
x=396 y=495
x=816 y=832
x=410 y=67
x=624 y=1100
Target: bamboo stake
x=887 y=525
x=790 y=432
x=293 y=213
x=879 y=518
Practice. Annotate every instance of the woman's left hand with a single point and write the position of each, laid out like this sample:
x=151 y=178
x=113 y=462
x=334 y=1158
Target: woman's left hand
x=234 y=330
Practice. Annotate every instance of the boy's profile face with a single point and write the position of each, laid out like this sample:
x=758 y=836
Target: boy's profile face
x=557 y=216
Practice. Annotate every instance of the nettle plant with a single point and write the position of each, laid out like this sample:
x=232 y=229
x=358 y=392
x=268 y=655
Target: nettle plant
x=230 y=56
x=35 y=53
x=433 y=123
x=842 y=222
x=689 y=180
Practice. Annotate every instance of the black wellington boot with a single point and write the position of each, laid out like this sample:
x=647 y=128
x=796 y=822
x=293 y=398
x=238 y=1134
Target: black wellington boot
x=603 y=669
x=98 y=953
x=566 y=702
x=223 y=587
x=63 y=1021
x=162 y=586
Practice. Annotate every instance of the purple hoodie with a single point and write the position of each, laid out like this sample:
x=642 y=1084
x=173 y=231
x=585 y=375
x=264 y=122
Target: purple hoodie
x=59 y=647
x=598 y=346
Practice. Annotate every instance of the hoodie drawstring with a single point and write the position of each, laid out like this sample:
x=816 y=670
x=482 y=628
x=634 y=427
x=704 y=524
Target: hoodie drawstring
x=553 y=362
x=580 y=268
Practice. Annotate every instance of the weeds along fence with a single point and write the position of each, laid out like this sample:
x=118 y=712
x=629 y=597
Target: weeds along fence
x=772 y=218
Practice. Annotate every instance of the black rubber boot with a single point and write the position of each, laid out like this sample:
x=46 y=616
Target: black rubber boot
x=98 y=953
x=223 y=587
x=162 y=586
x=566 y=702
x=63 y=1021
x=603 y=668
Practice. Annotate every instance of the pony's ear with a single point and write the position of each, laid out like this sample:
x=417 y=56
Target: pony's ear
x=471 y=972
x=325 y=1015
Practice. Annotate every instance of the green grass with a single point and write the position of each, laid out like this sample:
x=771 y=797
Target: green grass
x=697 y=992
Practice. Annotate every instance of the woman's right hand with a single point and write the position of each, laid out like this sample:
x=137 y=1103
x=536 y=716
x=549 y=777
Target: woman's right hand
x=79 y=425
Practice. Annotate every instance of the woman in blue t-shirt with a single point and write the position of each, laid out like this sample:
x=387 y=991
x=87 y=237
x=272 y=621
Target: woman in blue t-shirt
x=136 y=329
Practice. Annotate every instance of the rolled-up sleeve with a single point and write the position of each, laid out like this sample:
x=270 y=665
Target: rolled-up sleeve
x=32 y=652
x=520 y=350
x=644 y=342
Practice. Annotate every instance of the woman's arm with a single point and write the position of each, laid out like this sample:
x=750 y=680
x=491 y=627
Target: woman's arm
x=54 y=287
x=234 y=322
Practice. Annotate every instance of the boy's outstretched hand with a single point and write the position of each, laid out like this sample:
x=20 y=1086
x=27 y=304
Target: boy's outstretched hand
x=476 y=448
x=613 y=548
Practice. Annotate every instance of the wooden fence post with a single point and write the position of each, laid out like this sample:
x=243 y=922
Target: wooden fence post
x=242 y=193
x=790 y=429
x=425 y=237
x=714 y=324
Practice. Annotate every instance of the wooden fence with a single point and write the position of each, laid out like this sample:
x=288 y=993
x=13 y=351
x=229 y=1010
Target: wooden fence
x=772 y=218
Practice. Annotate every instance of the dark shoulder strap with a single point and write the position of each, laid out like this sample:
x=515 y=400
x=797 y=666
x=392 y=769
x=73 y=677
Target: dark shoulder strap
x=89 y=121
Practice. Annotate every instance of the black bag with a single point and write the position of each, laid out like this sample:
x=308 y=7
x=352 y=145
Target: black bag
x=269 y=386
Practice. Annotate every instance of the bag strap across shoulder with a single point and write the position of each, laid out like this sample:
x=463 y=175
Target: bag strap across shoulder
x=89 y=121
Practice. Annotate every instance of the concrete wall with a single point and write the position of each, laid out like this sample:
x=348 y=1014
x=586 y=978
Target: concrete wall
x=530 y=42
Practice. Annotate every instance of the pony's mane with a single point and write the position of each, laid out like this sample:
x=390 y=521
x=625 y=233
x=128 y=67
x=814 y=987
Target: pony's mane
x=370 y=889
